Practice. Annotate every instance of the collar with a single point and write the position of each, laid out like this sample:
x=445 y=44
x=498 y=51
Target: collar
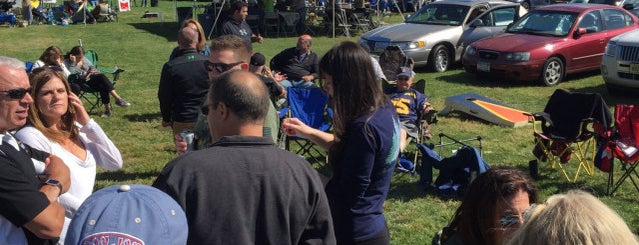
x=239 y=140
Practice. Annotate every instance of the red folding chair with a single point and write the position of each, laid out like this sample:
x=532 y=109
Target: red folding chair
x=622 y=144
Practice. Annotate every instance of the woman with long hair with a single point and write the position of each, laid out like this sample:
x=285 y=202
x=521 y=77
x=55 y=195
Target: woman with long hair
x=52 y=56
x=59 y=124
x=87 y=73
x=492 y=208
x=201 y=47
x=363 y=148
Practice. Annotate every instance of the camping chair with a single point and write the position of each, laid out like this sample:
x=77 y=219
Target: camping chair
x=457 y=171
x=566 y=128
x=92 y=56
x=391 y=60
x=310 y=106
x=621 y=142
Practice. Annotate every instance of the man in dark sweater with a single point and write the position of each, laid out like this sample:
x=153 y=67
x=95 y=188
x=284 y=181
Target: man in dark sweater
x=299 y=64
x=243 y=189
x=237 y=25
x=183 y=84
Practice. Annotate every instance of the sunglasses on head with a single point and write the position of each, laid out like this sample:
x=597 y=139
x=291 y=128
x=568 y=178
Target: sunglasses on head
x=17 y=93
x=220 y=67
x=41 y=69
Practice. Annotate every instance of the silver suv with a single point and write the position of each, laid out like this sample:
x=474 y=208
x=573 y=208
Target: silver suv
x=620 y=64
x=437 y=34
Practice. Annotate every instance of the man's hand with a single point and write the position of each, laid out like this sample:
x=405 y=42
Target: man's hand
x=180 y=144
x=257 y=38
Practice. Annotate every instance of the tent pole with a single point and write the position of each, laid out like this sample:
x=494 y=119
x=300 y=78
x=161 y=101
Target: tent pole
x=217 y=16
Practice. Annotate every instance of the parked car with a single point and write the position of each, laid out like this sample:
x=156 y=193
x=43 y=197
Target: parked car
x=631 y=5
x=533 y=4
x=437 y=34
x=550 y=42
x=620 y=64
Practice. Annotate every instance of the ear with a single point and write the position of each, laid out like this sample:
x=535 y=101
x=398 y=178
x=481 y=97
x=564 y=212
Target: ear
x=223 y=111
x=244 y=66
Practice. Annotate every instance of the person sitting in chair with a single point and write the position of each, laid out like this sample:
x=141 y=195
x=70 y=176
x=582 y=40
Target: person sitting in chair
x=299 y=64
x=409 y=104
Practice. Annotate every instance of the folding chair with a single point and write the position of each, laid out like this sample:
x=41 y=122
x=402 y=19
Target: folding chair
x=310 y=105
x=92 y=56
x=271 y=23
x=566 y=128
x=391 y=60
x=621 y=142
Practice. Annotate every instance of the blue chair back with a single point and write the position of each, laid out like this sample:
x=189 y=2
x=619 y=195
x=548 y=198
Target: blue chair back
x=309 y=106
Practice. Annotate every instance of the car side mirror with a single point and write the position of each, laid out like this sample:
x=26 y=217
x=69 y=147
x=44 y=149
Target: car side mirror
x=476 y=23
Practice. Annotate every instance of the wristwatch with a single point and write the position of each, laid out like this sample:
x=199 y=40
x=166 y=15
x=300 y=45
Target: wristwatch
x=54 y=182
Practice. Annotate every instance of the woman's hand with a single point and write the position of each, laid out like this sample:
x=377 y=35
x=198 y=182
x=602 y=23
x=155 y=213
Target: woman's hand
x=293 y=126
x=81 y=114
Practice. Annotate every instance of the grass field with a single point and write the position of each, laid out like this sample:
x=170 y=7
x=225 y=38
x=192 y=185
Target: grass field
x=141 y=46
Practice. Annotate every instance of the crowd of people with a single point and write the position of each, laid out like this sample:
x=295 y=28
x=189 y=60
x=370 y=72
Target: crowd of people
x=230 y=183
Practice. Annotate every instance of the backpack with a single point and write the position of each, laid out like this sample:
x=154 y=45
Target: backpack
x=455 y=172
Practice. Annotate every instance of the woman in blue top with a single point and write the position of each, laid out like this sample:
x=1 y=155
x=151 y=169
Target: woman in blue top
x=363 y=148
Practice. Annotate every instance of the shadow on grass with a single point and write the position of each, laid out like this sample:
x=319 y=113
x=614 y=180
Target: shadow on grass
x=143 y=117
x=168 y=30
x=120 y=176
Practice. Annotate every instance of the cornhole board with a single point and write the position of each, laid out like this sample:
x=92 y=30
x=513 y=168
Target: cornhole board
x=485 y=108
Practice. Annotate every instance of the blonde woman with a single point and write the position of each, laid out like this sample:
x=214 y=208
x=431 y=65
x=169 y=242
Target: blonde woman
x=201 y=42
x=576 y=217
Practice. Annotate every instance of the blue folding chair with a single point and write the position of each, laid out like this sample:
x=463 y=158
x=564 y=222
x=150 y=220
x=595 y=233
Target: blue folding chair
x=309 y=105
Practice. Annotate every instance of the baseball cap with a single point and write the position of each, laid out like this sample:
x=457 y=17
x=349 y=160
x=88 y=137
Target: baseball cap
x=258 y=59
x=128 y=214
x=405 y=71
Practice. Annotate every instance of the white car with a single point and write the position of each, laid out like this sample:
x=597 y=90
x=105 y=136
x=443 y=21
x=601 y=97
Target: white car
x=620 y=64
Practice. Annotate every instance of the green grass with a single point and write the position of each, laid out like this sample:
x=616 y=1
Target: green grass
x=141 y=46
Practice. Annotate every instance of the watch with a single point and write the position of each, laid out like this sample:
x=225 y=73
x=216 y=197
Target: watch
x=54 y=182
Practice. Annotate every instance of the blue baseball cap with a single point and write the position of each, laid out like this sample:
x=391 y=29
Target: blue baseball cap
x=128 y=214
x=406 y=72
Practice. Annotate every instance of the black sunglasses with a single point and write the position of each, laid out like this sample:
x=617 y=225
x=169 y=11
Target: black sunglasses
x=220 y=67
x=43 y=68
x=17 y=93
x=205 y=109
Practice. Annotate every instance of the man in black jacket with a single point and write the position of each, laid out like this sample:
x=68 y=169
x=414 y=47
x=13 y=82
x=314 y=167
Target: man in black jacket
x=183 y=84
x=299 y=64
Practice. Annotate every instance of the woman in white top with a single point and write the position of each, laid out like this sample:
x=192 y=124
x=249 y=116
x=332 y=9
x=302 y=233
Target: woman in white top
x=52 y=56
x=59 y=124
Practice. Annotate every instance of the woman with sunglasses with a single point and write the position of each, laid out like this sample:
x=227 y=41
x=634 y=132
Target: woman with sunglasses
x=492 y=208
x=87 y=73
x=59 y=124
x=363 y=148
x=52 y=56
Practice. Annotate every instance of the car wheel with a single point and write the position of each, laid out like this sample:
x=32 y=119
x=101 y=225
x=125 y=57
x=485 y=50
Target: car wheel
x=440 y=58
x=526 y=5
x=553 y=71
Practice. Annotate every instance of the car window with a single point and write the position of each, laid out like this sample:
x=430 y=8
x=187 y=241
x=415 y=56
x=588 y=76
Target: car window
x=545 y=23
x=591 y=21
x=616 y=19
x=474 y=13
x=440 y=14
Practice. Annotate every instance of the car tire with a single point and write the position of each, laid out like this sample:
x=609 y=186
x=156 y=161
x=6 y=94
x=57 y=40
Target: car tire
x=526 y=5
x=552 y=72
x=440 y=58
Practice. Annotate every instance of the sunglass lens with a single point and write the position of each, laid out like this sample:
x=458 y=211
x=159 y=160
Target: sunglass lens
x=17 y=93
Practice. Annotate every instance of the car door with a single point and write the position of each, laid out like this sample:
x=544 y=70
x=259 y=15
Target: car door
x=492 y=23
x=587 y=48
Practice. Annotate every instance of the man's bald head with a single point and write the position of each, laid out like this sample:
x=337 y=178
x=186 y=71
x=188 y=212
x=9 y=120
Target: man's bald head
x=188 y=38
x=243 y=93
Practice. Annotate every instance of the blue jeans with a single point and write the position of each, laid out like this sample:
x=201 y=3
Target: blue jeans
x=297 y=84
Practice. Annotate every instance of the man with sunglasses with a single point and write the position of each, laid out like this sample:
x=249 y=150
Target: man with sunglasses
x=183 y=84
x=29 y=211
x=228 y=52
x=247 y=190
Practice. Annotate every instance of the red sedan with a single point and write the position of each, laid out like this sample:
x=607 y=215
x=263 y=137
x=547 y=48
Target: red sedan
x=550 y=42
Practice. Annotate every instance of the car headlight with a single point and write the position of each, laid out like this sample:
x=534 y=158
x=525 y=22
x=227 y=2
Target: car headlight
x=611 y=49
x=411 y=45
x=470 y=50
x=518 y=56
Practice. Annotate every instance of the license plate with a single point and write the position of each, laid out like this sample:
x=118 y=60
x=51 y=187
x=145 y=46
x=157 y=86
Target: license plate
x=483 y=66
x=634 y=68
